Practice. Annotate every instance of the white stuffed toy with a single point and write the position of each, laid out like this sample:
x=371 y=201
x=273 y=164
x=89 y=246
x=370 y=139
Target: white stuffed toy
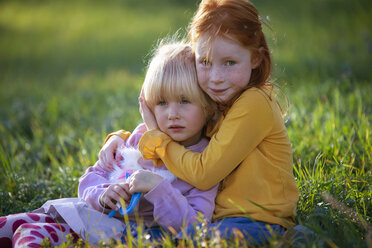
x=129 y=158
x=130 y=163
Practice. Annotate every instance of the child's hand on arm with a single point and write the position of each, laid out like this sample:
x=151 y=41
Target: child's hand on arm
x=113 y=193
x=143 y=181
x=107 y=153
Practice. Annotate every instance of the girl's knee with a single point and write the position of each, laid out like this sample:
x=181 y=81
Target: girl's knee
x=28 y=229
x=28 y=234
x=24 y=235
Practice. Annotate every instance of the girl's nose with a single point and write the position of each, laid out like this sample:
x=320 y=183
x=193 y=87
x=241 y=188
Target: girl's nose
x=215 y=75
x=173 y=111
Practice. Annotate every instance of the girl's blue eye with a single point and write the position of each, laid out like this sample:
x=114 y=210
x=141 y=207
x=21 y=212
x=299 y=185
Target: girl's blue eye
x=230 y=63
x=162 y=103
x=185 y=101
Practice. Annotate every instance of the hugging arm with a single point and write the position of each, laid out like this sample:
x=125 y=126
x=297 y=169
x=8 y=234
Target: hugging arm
x=244 y=127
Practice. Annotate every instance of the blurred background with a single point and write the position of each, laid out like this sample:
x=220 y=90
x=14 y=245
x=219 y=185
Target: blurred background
x=81 y=50
x=71 y=71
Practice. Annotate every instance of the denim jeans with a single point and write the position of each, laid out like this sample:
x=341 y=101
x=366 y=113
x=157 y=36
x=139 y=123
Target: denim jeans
x=156 y=233
x=255 y=232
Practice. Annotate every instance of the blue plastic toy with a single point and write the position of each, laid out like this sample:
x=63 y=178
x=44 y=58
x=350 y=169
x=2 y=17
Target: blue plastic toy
x=132 y=204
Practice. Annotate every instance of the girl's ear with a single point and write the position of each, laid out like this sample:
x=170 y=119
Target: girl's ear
x=256 y=58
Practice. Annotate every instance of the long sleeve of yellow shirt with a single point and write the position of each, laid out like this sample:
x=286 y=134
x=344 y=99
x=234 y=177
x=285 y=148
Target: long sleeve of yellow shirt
x=249 y=153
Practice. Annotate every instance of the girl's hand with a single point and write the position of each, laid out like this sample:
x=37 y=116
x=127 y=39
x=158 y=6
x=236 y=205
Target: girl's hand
x=107 y=153
x=143 y=181
x=147 y=116
x=112 y=195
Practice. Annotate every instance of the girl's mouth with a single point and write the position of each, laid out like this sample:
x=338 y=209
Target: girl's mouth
x=176 y=128
x=218 y=91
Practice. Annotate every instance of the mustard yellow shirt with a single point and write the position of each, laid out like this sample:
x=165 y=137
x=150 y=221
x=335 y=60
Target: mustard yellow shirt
x=249 y=153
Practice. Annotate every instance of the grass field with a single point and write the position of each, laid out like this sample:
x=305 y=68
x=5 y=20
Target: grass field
x=71 y=71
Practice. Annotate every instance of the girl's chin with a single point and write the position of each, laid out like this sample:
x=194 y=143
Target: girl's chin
x=218 y=100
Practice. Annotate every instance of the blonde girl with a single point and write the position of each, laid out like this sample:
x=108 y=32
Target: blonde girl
x=181 y=110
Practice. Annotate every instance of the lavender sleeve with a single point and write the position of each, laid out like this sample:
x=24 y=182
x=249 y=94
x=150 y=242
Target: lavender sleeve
x=92 y=184
x=95 y=179
x=135 y=137
x=171 y=208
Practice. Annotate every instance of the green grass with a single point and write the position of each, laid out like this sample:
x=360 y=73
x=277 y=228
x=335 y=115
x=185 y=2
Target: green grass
x=71 y=71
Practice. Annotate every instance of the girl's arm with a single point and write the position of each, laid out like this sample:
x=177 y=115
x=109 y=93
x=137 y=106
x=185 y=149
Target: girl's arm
x=92 y=184
x=95 y=179
x=115 y=140
x=246 y=124
x=99 y=192
x=172 y=209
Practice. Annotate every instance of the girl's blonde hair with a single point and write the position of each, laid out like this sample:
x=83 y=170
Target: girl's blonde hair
x=171 y=76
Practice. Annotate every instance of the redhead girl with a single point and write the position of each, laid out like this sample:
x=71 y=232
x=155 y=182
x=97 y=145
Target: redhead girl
x=249 y=152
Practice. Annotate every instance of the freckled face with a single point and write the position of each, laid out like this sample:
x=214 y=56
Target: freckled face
x=223 y=66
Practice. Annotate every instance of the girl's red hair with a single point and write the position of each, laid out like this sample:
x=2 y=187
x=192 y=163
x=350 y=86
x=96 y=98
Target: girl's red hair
x=240 y=20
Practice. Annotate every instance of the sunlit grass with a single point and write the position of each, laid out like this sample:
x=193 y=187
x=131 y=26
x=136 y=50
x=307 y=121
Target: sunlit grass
x=71 y=72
